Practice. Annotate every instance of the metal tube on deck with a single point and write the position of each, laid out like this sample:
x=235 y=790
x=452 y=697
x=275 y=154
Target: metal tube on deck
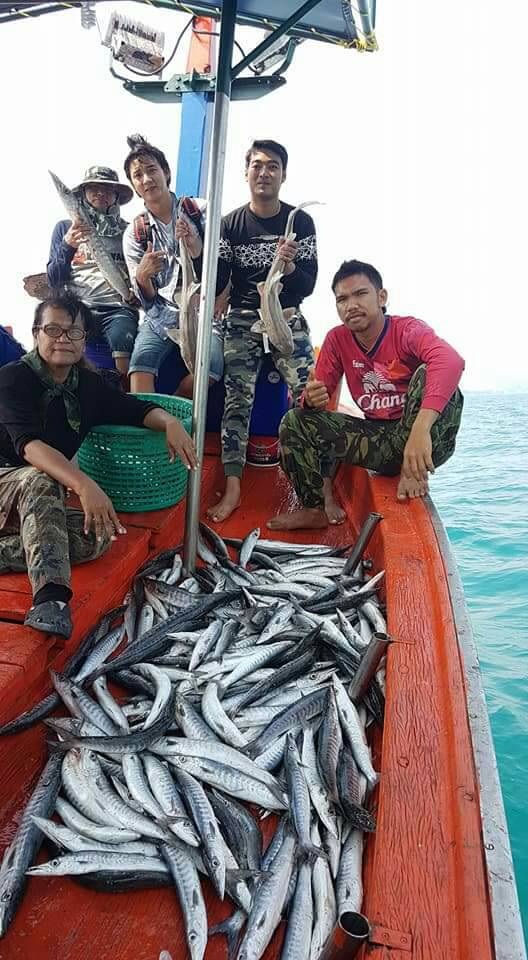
x=368 y=666
x=357 y=928
x=210 y=263
x=351 y=932
x=362 y=542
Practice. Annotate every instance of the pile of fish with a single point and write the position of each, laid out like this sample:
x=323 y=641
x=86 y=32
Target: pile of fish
x=237 y=687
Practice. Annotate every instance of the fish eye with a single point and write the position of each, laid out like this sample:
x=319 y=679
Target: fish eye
x=55 y=863
x=215 y=862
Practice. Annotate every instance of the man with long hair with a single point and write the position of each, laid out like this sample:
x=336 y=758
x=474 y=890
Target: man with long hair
x=151 y=246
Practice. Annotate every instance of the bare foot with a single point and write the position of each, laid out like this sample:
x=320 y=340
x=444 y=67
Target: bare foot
x=229 y=502
x=306 y=519
x=409 y=488
x=333 y=510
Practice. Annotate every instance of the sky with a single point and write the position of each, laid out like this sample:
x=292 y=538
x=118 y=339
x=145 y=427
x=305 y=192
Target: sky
x=418 y=153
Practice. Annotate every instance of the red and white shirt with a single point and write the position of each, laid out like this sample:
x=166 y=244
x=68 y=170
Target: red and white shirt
x=378 y=378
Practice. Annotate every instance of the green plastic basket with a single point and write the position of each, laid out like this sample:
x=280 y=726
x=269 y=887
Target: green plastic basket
x=132 y=464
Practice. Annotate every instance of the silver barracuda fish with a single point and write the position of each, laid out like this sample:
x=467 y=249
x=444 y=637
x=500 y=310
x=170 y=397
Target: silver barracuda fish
x=89 y=861
x=26 y=843
x=187 y=883
x=186 y=334
x=106 y=264
x=274 y=321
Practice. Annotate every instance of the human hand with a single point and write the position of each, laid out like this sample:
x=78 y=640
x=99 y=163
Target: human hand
x=180 y=444
x=98 y=510
x=287 y=251
x=417 y=455
x=221 y=303
x=150 y=264
x=315 y=392
x=77 y=233
x=192 y=242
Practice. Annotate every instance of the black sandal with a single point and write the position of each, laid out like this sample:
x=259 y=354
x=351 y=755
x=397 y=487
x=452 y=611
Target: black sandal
x=50 y=618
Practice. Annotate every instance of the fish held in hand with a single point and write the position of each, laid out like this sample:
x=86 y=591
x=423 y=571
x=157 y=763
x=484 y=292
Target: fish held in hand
x=273 y=321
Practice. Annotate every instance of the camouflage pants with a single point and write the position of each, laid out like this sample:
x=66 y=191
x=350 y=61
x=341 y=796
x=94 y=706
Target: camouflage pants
x=37 y=532
x=243 y=357
x=312 y=441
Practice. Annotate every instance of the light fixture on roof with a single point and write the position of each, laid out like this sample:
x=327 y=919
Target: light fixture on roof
x=136 y=45
x=277 y=53
x=88 y=15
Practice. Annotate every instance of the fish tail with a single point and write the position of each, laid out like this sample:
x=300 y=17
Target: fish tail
x=309 y=851
x=231 y=928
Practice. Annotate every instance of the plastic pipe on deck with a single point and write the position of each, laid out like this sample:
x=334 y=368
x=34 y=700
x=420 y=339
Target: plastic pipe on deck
x=351 y=932
x=362 y=542
x=368 y=666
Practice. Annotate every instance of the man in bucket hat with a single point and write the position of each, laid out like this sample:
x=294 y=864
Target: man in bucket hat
x=72 y=265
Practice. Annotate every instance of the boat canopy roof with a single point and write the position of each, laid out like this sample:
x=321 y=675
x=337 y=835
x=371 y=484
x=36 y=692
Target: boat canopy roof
x=345 y=22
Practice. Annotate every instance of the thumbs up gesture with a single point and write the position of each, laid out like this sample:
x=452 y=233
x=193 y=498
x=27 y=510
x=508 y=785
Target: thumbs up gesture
x=315 y=392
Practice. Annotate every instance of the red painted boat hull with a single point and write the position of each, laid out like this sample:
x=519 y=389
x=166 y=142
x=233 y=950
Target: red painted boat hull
x=427 y=889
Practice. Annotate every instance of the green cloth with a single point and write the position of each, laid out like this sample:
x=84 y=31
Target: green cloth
x=66 y=390
x=107 y=223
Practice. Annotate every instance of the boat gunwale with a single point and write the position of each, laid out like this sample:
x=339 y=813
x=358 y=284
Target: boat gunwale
x=508 y=935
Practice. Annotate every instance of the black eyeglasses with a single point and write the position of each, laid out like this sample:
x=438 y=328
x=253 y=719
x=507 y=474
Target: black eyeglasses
x=55 y=331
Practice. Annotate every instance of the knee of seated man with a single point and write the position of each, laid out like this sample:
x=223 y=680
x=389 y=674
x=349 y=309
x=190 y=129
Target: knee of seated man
x=289 y=422
x=122 y=342
x=42 y=485
x=98 y=544
x=104 y=543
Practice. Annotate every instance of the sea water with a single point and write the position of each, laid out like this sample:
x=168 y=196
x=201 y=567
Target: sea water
x=482 y=497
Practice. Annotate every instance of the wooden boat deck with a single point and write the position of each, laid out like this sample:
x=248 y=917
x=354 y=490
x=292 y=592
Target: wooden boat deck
x=425 y=876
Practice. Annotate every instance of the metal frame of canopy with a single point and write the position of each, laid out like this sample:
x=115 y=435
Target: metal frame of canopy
x=365 y=9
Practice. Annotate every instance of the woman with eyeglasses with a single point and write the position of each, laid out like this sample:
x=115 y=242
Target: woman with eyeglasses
x=49 y=400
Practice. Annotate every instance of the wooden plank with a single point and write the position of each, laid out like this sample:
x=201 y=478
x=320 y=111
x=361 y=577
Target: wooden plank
x=98 y=587
x=23 y=647
x=117 y=564
x=425 y=874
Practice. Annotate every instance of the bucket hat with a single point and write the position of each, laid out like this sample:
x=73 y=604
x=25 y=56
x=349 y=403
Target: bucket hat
x=109 y=177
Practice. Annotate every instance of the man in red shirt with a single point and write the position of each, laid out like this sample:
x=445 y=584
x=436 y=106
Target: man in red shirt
x=400 y=374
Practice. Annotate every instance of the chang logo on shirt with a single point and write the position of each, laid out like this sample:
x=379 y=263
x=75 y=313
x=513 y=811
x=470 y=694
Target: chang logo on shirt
x=380 y=393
